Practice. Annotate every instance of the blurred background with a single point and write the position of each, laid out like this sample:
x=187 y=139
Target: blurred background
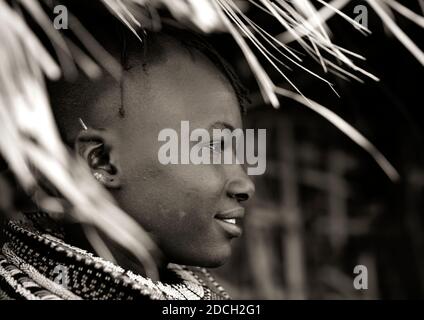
x=323 y=206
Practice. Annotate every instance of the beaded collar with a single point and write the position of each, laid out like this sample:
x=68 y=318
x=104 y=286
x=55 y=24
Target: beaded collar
x=36 y=265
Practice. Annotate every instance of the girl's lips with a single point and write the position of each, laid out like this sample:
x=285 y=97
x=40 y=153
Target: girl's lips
x=235 y=213
x=231 y=228
x=227 y=220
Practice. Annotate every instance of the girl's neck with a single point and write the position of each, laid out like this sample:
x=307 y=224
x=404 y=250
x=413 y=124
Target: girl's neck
x=76 y=236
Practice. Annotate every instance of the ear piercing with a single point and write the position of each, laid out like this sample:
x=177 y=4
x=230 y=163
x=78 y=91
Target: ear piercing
x=99 y=177
x=107 y=181
x=82 y=124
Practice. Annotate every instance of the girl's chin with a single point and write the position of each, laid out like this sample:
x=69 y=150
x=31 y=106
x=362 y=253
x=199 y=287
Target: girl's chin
x=211 y=258
x=216 y=257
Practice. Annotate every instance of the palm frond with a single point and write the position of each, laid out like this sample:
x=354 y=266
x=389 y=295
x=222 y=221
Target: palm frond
x=29 y=137
x=383 y=11
x=305 y=24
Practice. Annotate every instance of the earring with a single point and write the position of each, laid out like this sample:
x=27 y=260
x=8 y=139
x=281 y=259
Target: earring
x=99 y=177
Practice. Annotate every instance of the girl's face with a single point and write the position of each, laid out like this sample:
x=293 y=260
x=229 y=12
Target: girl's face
x=182 y=206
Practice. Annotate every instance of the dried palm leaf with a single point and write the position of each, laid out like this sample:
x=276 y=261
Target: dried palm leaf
x=29 y=138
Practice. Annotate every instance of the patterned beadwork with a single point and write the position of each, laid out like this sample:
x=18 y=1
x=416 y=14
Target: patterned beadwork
x=30 y=260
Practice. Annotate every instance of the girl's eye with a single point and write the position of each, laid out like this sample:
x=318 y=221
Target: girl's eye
x=216 y=146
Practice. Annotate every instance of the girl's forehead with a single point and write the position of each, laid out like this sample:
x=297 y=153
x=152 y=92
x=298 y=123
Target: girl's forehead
x=185 y=87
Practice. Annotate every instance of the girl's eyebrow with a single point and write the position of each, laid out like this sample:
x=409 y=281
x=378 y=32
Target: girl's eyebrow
x=221 y=125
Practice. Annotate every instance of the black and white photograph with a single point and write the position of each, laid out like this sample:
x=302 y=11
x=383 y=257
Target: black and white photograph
x=237 y=150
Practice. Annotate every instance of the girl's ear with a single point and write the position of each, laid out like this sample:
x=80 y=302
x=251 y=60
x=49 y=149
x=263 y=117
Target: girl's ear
x=97 y=149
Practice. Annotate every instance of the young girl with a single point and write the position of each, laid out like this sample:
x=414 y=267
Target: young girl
x=191 y=211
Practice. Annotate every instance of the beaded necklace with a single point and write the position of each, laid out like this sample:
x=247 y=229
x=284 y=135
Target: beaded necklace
x=37 y=255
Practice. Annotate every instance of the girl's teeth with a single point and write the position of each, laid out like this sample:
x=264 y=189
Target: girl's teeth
x=233 y=221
